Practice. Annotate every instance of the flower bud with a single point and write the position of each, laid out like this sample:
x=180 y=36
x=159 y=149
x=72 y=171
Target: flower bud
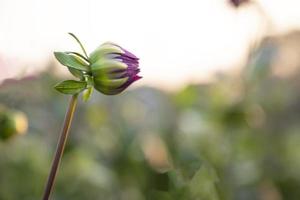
x=113 y=68
x=12 y=123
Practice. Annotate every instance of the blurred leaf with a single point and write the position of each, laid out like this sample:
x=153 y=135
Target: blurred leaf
x=75 y=72
x=159 y=195
x=260 y=62
x=70 y=86
x=202 y=185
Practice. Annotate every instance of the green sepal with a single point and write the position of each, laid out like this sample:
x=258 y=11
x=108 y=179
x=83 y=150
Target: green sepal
x=87 y=93
x=71 y=86
x=71 y=61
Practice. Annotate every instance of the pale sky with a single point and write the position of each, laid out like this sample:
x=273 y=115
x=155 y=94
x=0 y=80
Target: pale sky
x=177 y=41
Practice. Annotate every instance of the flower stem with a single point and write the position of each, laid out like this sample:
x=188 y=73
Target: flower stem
x=60 y=146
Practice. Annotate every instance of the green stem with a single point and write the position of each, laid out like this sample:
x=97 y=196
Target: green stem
x=60 y=146
x=74 y=36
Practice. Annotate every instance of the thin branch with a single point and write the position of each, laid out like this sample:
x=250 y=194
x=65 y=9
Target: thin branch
x=60 y=146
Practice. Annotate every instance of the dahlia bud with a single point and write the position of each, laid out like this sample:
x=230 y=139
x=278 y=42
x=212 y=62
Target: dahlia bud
x=113 y=68
x=110 y=69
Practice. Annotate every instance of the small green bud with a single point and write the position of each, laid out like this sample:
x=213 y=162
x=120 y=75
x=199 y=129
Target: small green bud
x=12 y=123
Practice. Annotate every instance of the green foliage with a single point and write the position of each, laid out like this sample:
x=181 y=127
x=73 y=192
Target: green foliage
x=71 y=61
x=202 y=185
x=70 y=86
x=23 y=165
x=229 y=139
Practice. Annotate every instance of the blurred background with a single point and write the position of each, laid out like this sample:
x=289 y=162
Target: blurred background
x=215 y=117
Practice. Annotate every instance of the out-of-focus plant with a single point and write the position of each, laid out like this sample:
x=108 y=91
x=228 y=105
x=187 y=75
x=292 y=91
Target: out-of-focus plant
x=12 y=123
x=110 y=69
x=215 y=140
x=238 y=3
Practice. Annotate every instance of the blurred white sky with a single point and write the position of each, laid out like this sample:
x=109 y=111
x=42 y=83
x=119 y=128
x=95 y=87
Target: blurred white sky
x=177 y=41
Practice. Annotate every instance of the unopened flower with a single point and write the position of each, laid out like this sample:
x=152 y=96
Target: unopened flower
x=113 y=68
x=109 y=69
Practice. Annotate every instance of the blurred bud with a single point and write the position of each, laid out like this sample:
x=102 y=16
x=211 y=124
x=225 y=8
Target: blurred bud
x=12 y=123
x=237 y=3
x=156 y=153
x=113 y=68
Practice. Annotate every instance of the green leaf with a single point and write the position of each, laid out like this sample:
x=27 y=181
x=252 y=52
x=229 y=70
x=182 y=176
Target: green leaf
x=75 y=72
x=159 y=195
x=87 y=93
x=70 y=86
x=80 y=58
x=203 y=183
x=71 y=61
